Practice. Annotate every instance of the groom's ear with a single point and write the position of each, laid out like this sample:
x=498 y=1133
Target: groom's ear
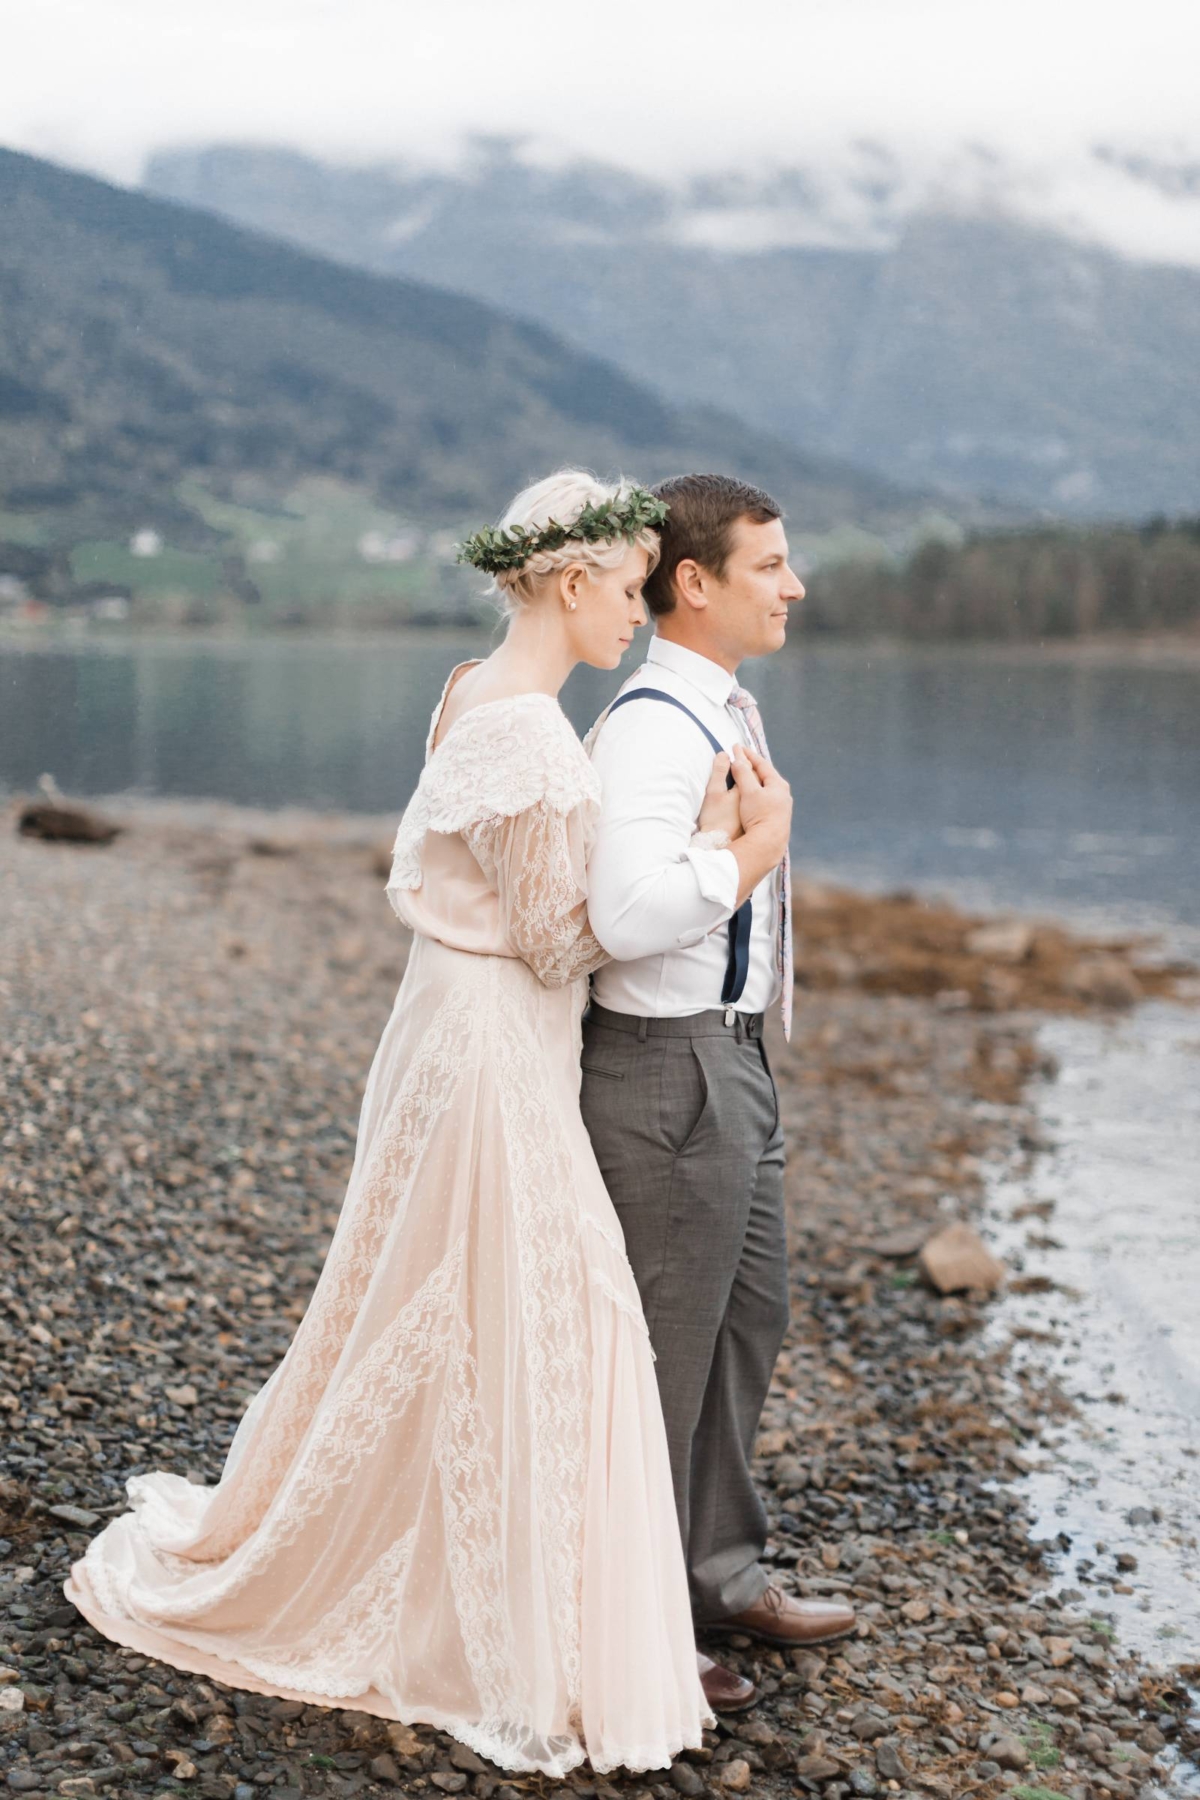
x=690 y=579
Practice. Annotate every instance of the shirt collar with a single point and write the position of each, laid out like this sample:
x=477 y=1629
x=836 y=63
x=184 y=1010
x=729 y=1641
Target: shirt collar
x=714 y=682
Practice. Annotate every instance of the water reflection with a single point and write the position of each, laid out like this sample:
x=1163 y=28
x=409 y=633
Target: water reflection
x=1058 y=785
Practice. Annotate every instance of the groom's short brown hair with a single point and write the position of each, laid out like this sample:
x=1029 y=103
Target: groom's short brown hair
x=699 y=528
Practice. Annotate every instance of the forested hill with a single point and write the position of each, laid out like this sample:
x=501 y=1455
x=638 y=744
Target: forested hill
x=1049 y=582
x=142 y=342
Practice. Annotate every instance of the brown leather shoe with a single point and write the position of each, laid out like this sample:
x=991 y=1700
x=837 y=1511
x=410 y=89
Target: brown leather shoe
x=779 y=1618
x=724 y=1691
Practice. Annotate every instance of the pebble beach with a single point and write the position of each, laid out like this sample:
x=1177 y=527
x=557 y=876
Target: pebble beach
x=188 y=1014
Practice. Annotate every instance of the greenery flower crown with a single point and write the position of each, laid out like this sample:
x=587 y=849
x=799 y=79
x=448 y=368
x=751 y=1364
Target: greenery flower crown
x=496 y=551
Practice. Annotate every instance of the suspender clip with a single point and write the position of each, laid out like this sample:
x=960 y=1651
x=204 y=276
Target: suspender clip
x=730 y=1015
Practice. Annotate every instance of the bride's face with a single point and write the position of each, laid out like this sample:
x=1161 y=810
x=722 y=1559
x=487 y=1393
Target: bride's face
x=608 y=608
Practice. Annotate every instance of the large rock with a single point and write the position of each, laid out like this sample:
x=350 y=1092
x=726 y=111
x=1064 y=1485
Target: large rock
x=1008 y=940
x=1104 y=981
x=957 y=1258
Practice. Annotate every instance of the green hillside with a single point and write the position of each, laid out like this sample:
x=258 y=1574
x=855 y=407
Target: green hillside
x=161 y=368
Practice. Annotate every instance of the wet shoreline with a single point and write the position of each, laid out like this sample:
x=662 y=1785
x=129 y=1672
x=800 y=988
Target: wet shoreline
x=1106 y=1234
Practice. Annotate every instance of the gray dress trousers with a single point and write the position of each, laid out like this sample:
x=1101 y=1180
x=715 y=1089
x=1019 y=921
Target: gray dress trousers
x=684 y=1118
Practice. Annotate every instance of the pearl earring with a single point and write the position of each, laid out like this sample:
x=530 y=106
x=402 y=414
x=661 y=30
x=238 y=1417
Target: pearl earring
x=570 y=606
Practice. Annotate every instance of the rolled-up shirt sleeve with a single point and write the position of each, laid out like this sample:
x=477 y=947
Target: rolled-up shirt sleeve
x=650 y=889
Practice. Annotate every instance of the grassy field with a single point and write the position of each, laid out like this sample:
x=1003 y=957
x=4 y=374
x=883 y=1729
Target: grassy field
x=325 y=554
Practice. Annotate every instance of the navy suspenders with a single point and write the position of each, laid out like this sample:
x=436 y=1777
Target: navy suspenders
x=737 y=962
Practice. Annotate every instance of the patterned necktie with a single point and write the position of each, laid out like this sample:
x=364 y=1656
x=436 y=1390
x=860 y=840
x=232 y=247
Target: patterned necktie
x=747 y=705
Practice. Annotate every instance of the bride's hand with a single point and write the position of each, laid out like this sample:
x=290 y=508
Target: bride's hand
x=721 y=810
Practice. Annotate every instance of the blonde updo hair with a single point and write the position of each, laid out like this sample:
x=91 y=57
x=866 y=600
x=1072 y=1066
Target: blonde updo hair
x=563 y=496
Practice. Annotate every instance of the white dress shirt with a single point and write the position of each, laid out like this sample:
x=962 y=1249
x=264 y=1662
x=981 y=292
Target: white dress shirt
x=657 y=905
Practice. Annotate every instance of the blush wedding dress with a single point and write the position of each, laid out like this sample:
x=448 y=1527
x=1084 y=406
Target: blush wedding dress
x=451 y=1502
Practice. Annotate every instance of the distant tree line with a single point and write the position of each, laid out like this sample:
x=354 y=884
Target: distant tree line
x=1054 y=581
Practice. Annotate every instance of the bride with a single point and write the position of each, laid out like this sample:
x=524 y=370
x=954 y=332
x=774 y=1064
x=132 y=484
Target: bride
x=451 y=1501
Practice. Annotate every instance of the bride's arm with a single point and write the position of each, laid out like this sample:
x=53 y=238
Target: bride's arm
x=537 y=861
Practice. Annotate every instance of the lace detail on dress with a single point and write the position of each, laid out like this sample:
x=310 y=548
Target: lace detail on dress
x=430 y=1087
x=624 y=1302
x=495 y=761
x=617 y=1284
x=718 y=839
x=612 y=1238
x=339 y=1658
x=471 y=1490
x=409 y=1353
x=536 y=864
x=553 y=1304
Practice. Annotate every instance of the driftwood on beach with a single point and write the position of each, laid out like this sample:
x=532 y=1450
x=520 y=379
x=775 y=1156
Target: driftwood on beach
x=56 y=822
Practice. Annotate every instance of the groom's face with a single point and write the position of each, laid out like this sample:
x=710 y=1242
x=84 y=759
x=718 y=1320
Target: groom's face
x=749 y=604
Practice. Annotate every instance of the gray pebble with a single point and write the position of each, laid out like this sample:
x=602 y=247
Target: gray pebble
x=463 y=1758
x=1009 y=1752
x=889 y=1762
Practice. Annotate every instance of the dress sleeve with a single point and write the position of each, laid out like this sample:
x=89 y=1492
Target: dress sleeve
x=537 y=860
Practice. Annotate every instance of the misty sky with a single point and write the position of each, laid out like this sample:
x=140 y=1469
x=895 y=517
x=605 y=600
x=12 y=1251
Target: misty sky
x=666 y=84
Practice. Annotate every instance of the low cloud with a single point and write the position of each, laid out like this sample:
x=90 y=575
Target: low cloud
x=817 y=85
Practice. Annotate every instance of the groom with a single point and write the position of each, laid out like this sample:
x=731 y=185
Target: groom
x=678 y=1096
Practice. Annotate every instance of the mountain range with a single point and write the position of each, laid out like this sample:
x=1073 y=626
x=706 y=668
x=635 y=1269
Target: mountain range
x=146 y=344
x=932 y=331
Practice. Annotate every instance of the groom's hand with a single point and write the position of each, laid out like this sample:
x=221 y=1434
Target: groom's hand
x=765 y=797
x=765 y=801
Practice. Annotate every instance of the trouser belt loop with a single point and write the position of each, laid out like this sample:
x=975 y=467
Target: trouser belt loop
x=747 y=1026
x=643 y=1028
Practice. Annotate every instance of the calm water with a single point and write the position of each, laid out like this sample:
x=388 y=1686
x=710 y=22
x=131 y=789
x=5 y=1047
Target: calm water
x=1054 y=786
